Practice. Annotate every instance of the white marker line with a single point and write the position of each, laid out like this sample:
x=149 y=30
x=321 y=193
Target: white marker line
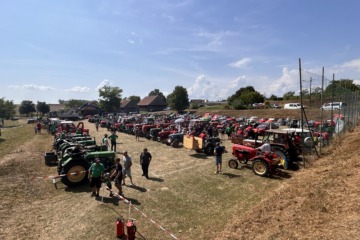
x=152 y=173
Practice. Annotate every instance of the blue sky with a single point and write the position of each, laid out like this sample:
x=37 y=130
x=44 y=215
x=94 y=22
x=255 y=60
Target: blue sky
x=51 y=50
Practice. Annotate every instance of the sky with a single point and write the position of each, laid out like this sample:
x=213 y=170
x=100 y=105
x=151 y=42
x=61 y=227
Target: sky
x=52 y=50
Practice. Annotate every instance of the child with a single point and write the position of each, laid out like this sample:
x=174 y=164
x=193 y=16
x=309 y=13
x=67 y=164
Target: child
x=107 y=181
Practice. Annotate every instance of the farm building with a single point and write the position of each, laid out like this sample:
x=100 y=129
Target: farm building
x=128 y=106
x=151 y=104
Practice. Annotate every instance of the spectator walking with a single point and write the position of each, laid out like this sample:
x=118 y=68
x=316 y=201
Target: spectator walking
x=117 y=175
x=145 y=159
x=113 y=138
x=97 y=125
x=127 y=168
x=137 y=133
x=218 y=151
x=96 y=172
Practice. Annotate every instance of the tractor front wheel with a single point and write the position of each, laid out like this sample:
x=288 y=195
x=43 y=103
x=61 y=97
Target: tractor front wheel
x=233 y=163
x=260 y=167
x=75 y=173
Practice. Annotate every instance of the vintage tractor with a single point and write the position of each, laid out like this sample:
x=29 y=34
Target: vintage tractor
x=145 y=130
x=74 y=170
x=164 y=135
x=154 y=133
x=263 y=164
x=198 y=144
x=175 y=140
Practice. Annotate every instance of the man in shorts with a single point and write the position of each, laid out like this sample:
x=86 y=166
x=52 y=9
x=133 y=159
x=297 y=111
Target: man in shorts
x=127 y=168
x=117 y=175
x=96 y=172
x=218 y=151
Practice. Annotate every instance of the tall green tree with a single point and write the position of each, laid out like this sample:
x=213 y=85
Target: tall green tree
x=75 y=103
x=27 y=107
x=134 y=98
x=156 y=92
x=7 y=108
x=43 y=108
x=289 y=95
x=110 y=98
x=244 y=97
x=178 y=99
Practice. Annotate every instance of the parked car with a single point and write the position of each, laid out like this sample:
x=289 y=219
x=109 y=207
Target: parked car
x=275 y=105
x=293 y=106
x=333 y=106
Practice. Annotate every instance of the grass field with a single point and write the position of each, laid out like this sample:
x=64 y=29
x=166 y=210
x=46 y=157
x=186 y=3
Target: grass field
x=184 y=195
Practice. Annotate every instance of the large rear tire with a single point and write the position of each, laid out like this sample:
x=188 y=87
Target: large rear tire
x=76 y=173
x=260 y=167
x=233 y=163
x=175 y=144
x=281 y=152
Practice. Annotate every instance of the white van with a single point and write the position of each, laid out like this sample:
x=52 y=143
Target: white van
x=292 y=106
x=333 y=106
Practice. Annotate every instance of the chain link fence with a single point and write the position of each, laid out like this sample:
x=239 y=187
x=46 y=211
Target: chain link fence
x=331 y=108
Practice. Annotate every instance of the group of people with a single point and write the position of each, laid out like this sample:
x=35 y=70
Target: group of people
x=112 y=138
x=97 y=175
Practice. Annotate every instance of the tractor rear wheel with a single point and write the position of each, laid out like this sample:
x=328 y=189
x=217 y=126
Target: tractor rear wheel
x=175 y=144
x=76 y=173
x=260 y=167
x=233 y=163
x=281 y=152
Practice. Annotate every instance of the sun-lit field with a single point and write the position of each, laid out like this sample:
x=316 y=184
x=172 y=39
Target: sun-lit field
x=183 y=196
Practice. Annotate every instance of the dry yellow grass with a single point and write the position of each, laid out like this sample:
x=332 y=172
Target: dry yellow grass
x=184 y=196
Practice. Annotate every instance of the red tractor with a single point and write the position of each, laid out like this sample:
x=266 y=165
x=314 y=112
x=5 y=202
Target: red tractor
x=263 y=164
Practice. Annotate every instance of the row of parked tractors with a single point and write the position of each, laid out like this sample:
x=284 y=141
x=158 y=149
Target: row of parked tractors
x=73 y=153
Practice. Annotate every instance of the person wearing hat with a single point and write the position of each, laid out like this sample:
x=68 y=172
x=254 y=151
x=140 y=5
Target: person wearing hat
x=96 y=172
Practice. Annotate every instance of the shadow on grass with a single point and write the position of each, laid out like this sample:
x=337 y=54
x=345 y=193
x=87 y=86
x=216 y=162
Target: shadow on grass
x=78 y=189
x=2 y=140
x=280 y=175
x=199 y=155
x=140 y=189
x=231 y=175
x=156 y=179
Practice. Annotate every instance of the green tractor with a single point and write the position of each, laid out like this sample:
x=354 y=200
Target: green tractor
x=74 y=170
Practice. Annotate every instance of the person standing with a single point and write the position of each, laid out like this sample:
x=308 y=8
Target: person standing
x=218 y=151
x=97 y=125
x=127 y=168
x=105 y=141
x=145 y=159
x=96 y=172
x=113 y=138
x=117 y=175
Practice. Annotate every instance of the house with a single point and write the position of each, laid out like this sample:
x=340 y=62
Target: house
x=127 y=106
x=90 y=108
x=199 y=102
x=151 y=104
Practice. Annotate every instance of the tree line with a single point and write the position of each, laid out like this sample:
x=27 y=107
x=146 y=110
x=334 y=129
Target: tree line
x=110 y=98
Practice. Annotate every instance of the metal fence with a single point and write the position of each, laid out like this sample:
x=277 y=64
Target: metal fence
x=331 y=106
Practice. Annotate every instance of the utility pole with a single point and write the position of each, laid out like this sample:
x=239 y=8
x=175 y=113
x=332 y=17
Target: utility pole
x=310 y=92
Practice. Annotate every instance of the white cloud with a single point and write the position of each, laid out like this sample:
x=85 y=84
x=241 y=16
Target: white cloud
x=206 y=89
x=240 y=63
x=289 y=81
x=32 y=87
x=354 y=64
x=103 y=83
x=78 y=89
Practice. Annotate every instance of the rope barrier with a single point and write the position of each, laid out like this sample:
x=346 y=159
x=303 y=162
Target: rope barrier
x=142 y=213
